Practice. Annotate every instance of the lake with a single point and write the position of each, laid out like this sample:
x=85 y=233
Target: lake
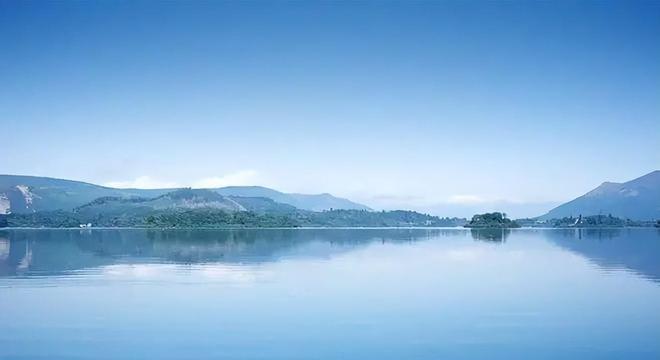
x=330 y=294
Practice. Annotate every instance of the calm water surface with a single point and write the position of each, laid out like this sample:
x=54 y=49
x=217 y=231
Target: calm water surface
x=330 y=294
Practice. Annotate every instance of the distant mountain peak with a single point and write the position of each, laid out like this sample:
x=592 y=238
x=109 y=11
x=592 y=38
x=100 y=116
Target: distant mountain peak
x=610 y=183
x=637 y=199
x=603 y=188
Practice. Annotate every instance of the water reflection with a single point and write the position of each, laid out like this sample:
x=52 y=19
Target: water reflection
x=51 y=252
x=637 y=250
x=330 y=294
x=490 y=235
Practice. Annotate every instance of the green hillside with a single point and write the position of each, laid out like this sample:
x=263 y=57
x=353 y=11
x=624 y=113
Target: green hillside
x=28 y=194
x=190 y=208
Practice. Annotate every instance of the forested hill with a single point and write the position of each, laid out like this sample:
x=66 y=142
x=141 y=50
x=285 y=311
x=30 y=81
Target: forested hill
x=215 y=217
x=28 y=194
x=192 y=208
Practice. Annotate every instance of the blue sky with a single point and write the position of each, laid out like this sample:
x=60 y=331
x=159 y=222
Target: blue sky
x=447 y=107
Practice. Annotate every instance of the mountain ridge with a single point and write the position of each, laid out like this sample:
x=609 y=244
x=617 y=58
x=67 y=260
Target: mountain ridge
x=26 y=193
x=637 y=199
x=201 y=208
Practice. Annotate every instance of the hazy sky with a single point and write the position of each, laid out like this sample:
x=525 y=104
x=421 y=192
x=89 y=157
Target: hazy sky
x=439 y=106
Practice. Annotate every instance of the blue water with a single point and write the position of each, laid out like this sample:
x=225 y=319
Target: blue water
x=330 y=294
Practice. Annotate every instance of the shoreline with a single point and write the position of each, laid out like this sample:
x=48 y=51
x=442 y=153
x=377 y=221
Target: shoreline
x=328 y=228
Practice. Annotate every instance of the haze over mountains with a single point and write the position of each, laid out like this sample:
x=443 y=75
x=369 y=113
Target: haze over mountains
x=637 y=199
x=26 y=194
x=182 y=199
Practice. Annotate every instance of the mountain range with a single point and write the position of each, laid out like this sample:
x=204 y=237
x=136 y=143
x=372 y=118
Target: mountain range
x=637 y=199
x=28 y=194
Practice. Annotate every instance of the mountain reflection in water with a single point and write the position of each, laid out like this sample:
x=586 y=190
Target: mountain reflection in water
x=634 y=249
x=53 y=252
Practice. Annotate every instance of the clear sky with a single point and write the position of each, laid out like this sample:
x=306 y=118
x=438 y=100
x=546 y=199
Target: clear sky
x=447 y=107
